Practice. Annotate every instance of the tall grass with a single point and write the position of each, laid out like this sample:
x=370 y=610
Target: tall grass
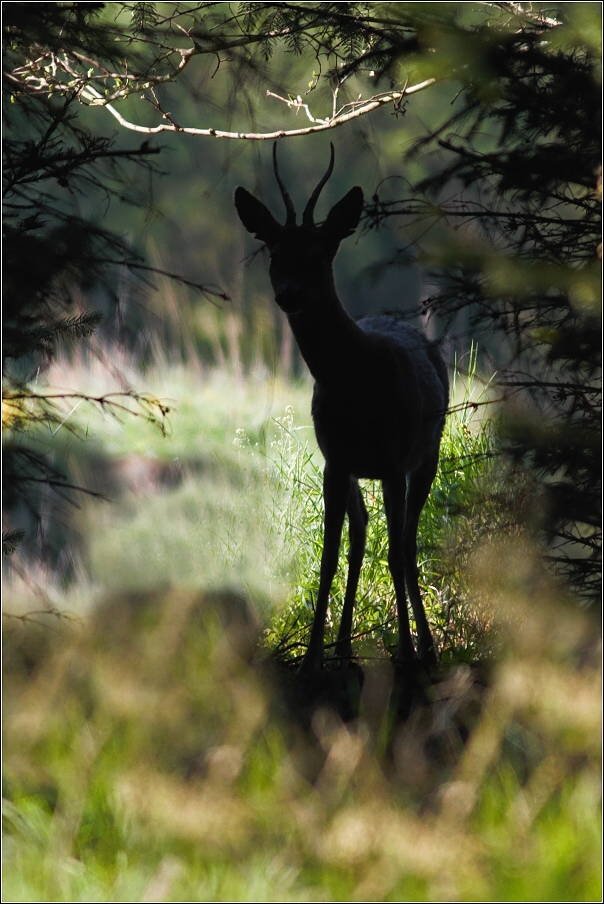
x=455 y=509
x=150 y=754
x=146 y=759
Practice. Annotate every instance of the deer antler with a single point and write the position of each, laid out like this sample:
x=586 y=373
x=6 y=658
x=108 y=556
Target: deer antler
x=289 y=204
x=307 y=216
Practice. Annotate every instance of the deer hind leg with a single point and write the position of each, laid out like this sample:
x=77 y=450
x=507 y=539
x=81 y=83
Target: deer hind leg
x=357 y=525
x=394 y=503
x=420 y=483
x=336 y=486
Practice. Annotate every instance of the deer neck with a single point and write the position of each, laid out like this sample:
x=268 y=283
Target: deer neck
x=328 y=338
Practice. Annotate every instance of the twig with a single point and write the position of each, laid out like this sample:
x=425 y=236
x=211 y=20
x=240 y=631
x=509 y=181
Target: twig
x=94 y=98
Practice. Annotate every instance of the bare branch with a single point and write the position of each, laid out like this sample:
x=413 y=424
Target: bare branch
x=360 y=108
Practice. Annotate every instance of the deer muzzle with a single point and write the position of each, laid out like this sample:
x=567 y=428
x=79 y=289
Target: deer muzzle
x=290 y=299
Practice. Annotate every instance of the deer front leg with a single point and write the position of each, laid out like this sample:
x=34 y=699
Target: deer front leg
x=357 y=521
x=336 y=484
x=394 y=503
x=419 y=487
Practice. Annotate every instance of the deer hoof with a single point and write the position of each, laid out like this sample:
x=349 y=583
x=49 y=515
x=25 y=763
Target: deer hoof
x=429 y=658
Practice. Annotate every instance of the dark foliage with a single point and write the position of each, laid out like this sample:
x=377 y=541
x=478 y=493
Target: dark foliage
x=515 y=205
x=53 y=254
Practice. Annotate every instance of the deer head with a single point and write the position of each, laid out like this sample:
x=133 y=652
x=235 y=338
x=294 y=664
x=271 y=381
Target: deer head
x=301 y=256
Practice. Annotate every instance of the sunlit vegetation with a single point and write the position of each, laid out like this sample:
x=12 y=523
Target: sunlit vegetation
x=457 y=510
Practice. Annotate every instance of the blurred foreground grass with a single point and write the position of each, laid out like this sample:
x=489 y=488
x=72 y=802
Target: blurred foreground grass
x=149 y=757
x=152 y=752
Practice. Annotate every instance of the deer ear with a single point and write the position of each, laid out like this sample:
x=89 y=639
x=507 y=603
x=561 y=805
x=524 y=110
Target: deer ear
x=257 y=218
x=343 y=218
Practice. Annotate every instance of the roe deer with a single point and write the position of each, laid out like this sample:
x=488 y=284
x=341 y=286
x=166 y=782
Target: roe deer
x=379 y=402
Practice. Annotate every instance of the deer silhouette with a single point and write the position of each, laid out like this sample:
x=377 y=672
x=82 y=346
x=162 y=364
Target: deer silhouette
x=380 y=396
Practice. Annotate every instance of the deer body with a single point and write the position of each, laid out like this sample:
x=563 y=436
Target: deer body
x=379 y=402
x=371 y=422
